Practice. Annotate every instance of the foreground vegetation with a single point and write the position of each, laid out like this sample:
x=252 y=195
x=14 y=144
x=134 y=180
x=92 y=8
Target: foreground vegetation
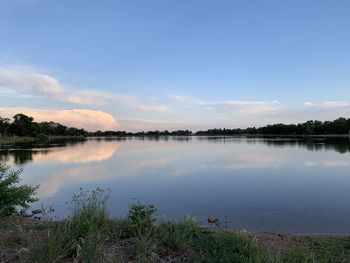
x=89 y=234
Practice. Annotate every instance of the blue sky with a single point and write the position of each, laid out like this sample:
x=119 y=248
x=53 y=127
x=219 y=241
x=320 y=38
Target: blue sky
x=164 y=64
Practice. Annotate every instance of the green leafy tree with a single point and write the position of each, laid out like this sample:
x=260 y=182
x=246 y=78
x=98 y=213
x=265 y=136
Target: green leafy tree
x=12 y=194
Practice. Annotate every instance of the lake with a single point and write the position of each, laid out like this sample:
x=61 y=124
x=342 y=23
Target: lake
x=288 y=185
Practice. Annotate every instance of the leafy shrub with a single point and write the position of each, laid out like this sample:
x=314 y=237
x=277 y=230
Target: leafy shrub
x=13 y=195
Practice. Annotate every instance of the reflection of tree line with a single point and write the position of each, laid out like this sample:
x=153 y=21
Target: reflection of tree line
x=341 y=145
x=338 y=144
x=24 y=152
x=21 y=156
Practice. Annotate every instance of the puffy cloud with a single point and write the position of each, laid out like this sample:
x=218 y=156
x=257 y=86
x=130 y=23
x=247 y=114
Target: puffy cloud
x=80 y=118
x=26 y=80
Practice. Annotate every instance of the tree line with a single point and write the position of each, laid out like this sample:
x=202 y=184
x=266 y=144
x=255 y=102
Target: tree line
x=23 y=125
x=338 y=126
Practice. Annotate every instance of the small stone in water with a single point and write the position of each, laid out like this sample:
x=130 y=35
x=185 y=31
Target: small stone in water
x=212 y=219
x=37 y=211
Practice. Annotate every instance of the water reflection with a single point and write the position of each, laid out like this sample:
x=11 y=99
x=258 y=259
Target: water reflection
x=157 y=152
x=53 y=183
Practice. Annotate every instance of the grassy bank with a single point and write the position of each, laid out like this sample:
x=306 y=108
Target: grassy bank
x=8 y=140
x=91 y=235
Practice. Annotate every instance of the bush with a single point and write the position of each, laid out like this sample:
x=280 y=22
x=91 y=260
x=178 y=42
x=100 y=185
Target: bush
x=142 y=219
x=13 y=195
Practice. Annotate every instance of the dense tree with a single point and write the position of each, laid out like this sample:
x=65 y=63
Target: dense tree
x=22 y=125
x=4 y=125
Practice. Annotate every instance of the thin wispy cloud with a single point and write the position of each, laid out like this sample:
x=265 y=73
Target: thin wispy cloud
x=243 y=107
x=328 y=104
x=150 y=124
x=181 y=99
x=335 y=104
x=239 y=106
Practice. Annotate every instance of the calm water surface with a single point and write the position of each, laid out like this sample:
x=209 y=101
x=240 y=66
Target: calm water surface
x=258 y=184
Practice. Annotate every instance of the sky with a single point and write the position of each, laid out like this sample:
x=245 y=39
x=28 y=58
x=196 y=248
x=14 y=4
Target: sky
x=165 y=64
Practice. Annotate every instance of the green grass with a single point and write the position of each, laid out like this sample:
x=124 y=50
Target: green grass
x=225 y=247
x=91 y=235
x=325 y=249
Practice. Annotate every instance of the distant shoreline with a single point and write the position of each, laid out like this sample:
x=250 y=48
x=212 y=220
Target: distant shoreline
x=17 y=139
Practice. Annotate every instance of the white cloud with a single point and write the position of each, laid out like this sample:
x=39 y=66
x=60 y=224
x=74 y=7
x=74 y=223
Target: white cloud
x=27 y=80
x=24 y=80
x=80 y=118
